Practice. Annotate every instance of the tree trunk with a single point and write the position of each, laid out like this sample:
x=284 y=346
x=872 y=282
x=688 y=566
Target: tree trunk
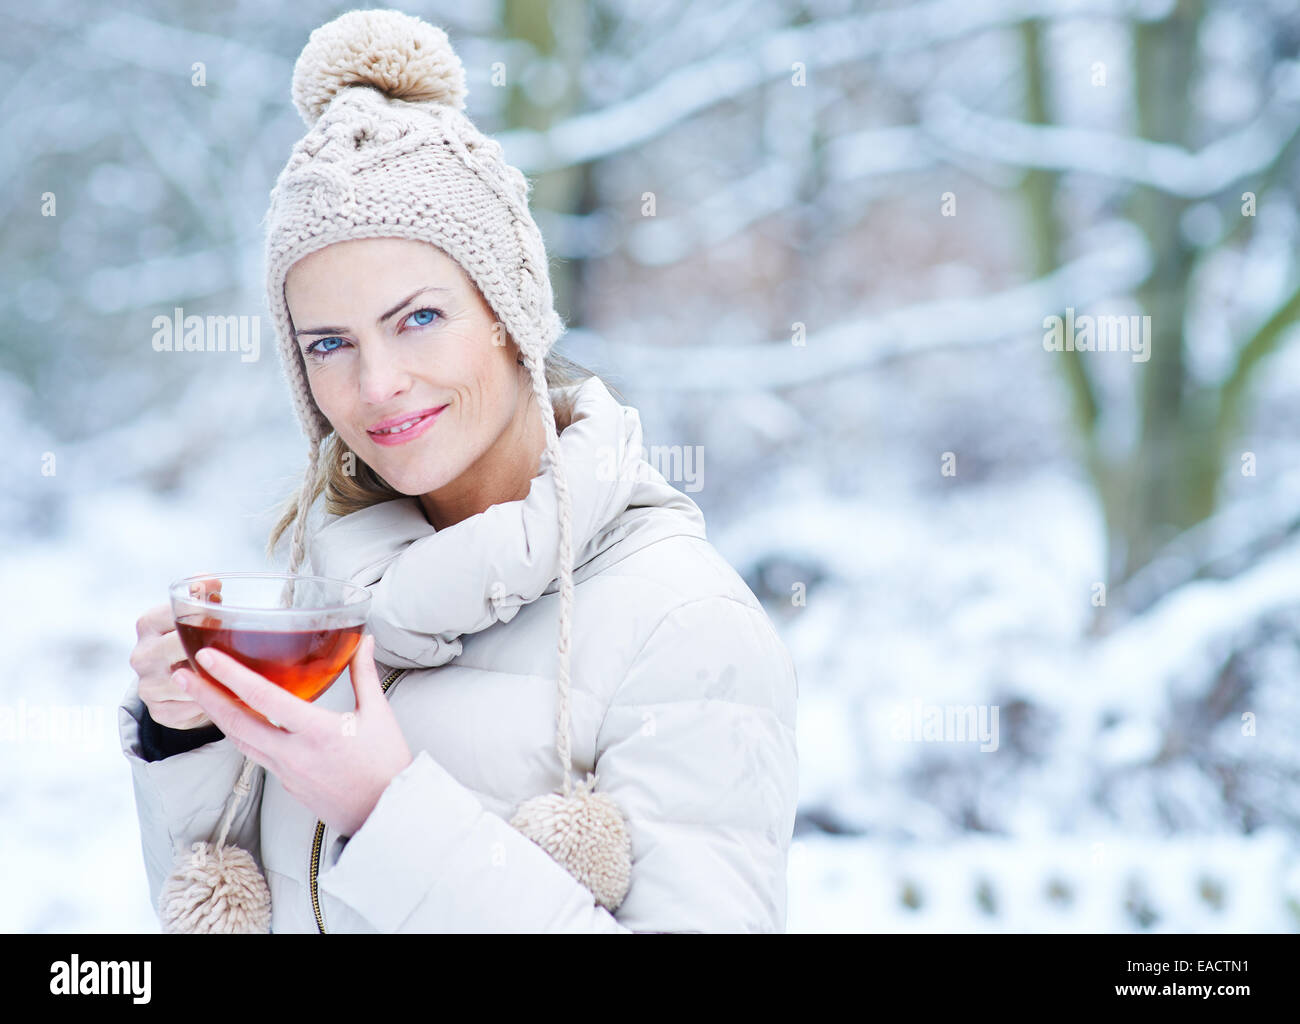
x=1172 y=481
x=556 y=32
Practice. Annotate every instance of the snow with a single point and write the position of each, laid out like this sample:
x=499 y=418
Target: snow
x=951 y=125
x=1095 y=883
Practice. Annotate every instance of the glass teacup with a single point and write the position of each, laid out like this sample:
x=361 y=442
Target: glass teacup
x=299 y=632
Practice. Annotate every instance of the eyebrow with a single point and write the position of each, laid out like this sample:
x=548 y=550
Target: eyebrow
x=392 y=312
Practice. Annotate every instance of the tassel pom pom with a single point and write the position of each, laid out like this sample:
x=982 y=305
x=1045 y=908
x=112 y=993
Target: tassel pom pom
x=586 y=834
x=215 y=892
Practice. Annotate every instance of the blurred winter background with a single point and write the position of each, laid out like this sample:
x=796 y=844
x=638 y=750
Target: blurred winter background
x=821 y=240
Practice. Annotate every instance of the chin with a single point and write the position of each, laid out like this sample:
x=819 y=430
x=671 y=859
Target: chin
x=410 y=485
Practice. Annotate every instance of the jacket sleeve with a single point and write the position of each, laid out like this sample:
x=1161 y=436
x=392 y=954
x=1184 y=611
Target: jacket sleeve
x=159 y=741
x=180 y=798
x=698 y=750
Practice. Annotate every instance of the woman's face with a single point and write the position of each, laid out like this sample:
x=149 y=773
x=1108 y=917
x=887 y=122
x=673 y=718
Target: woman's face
x=392 y=329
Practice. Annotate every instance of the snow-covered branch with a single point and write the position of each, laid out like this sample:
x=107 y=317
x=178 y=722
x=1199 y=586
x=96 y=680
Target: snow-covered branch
x=164 y=280
x=860 y=344
x=951 y=126
x=851 y=160
x=169 y=50
x=878 y=151
x=819 y=46
x=1236 y=537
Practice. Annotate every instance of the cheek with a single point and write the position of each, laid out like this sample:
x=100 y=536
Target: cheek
x=481 y=387
x=498 y=394
x=335 y=395
x=329 y=390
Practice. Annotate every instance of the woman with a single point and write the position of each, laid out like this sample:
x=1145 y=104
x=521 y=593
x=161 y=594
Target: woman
x=416 y=325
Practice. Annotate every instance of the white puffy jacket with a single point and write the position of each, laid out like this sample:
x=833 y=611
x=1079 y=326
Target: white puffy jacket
x=682 y=701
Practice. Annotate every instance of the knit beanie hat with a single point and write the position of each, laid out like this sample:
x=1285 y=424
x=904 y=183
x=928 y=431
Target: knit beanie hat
x=390 y=154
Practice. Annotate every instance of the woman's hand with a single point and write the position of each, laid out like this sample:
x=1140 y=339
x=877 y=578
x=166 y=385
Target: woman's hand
x=337 y=765
x=157 y=653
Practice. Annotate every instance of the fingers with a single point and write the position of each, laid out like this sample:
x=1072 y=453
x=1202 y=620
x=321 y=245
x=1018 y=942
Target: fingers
x=156 y=621
x=176 y=714
x=158 y=653
x=362 y=672
x=173 y=651
x=293 y=713
x=169 y=705
x=240 y=722
x=207 y=590
x=154 y=659
x=155 y=689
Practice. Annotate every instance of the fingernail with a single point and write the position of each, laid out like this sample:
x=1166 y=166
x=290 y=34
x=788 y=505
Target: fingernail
x=206 y=658
x=178 y=677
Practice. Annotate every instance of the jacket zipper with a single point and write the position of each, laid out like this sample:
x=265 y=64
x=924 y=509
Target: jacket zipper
x=314 y=866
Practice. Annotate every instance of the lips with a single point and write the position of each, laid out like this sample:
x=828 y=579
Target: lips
x=400 y=429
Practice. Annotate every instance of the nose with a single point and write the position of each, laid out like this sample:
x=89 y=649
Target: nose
x=381 y=374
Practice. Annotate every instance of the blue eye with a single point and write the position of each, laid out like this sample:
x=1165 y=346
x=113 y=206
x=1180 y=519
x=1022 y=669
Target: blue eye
x=423 y=317
x=315 y=347
x=319 y=349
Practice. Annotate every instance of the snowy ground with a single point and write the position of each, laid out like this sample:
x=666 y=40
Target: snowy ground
x=1043 y=884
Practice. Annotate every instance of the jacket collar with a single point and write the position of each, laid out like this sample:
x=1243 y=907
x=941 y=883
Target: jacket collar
x=430 y=587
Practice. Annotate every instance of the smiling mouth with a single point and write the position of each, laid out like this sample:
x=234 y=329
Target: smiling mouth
x=400 y=428
x=403 y=427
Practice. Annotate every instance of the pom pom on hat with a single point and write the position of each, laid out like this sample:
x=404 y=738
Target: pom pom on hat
x=403 y=57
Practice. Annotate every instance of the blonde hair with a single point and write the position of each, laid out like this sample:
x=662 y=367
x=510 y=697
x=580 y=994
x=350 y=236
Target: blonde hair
x=350 y=485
